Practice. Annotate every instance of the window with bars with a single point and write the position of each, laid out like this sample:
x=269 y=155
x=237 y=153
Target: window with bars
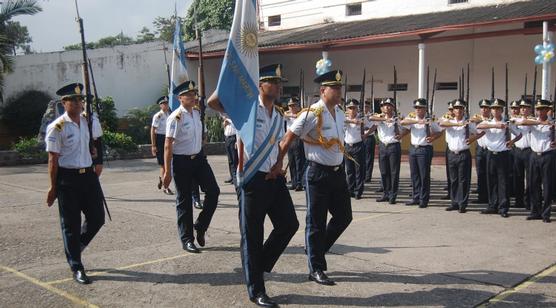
x=456 y=1
x=275 y=20
x=353 y=9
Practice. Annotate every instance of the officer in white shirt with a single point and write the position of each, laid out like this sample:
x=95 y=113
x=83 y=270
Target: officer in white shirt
x=522 y=157
x=230 y=141
x=158 y=136
x=265 y=192
x=481 y=154
x=499 y=143
x=542 y=162
x=423 y=133
x=72 y=179
x=183 y=154
x=460 y=134
x=390 y=132
x=322 y=130
x=370 y=143
x=296 y=154
x=354 y=135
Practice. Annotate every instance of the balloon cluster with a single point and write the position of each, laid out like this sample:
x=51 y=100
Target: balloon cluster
x=323 y=66
x=545 y=54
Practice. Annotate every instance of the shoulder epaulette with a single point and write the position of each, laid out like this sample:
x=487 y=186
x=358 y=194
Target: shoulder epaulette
x=317 y=110
x=60 y=125
x=447 y=116
x=158 y=114
x=411 y=115
x=279 y=110
x=197 y=108
x=178 y=115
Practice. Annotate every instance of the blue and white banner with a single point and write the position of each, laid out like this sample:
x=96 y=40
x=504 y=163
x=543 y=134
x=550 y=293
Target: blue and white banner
x=237 y=87
x=178 y=73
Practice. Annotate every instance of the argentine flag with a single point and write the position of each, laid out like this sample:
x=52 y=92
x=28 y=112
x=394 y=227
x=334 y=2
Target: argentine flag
x=179 y=68
x=237 y=87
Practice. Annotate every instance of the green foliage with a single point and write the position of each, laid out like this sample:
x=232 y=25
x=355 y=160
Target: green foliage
x=108 y=116
x=165 y=27
x=139 y=123
x=209 y=14
x=215 y=130
x=24 y=110
x=109 y=41
x=145 y=35
x=119 y=142
x=18 y=35
x=30 y=148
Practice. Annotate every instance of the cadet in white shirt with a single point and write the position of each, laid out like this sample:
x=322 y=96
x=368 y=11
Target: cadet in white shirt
x=522 y=157
x=230 y=141
x=481 y=154
x=541 y=165
x=370 y=143
x=183 y=154
x=355 y=133
x=296 y=154
x=459 y=135
x=423 y=133
x=158 y=136
x=322 y=131
x=499 y=143
x=72 y=179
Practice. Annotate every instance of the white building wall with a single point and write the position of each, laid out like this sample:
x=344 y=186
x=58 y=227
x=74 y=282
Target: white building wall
x=299 y=13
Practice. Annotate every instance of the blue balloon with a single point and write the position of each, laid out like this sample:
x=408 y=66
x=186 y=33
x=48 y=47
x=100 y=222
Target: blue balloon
x=549 y=47
x=539 y=59
x=539 y=48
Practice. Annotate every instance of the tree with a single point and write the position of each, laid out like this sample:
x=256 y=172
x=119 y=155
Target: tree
x=209 y=14
x=18 y=35
x=24 y=110
x=8 y=10
x=145 y=35
x=109 y=41
x=165 y=27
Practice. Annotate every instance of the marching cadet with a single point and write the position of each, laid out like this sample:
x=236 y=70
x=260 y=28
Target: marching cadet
x=296 y=154
x=459 y=135
x=498 y=159
x=541 y=165
x=447 y=116
x=522 y=157
x=265 y=193
x=185 y=159
x=423 y=133
x=158 y=136
x=481 y=154
x=231 y=148
x=322 y=129
x=389 y=134
x=370 y=143
x=72 y=179
x=354 y=136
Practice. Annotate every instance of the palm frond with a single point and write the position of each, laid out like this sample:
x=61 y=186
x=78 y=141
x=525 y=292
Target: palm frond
x=12 y=8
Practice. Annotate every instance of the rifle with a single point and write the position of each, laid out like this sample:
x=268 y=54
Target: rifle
x=468 y=86
x=302 y=89
x=362 y=103
x=428 y=80
x=88 y=99
x=167 y=66
x=345 y=91
x=372 y=94
x=396 y=127
x=430 y=109
x=525 y=89
x=492 y=86
x=535 y=85
x=201 y=76
x=462 y=83
x=97 y=105
x=506 y=111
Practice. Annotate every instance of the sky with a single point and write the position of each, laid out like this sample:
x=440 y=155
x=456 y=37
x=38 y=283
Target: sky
x=55 y=27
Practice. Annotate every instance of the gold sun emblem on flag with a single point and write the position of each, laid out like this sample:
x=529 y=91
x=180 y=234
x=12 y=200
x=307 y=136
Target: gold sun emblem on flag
x=249 y=40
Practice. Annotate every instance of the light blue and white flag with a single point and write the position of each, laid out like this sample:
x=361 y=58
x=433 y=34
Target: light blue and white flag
x=178 y=73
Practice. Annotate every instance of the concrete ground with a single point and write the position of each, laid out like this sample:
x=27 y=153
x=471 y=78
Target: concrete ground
x=391 y=255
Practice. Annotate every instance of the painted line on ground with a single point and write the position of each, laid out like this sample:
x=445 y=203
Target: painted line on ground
x=74 y=299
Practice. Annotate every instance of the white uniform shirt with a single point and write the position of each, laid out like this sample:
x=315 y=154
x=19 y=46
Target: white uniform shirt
x=70 y=140
x=185 y=128
x=230 y=129
x=482 y=141
x=262 y=130
x=419 y=132
x=496 y=137
x=368 y=124
x=305 y=126
x=352 y=132
x=289 y=120
x=541 y=138
x=525 y=141
x=455 y=136
x=387 y=131
x=159 y=122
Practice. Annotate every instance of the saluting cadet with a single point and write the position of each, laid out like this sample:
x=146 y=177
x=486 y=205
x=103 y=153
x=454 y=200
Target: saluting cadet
x=459 y=135
x=231 y=147
x=389 y=151
x=498 y=159
x=322 y=129
x=423 y=133
x=481 y=153
x=183 y=154
x=370 y=143
x=265 y=192
x=72 y=179
x=541 y=165
x=355 y=169
x=158 y=136
x=522 y=157
x=296 y=155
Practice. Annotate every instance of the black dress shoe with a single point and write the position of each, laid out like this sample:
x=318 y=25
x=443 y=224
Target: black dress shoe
x=489 y=211
x=197 y=205
x=422 y=206
x=392 y=201
x=190 y=247
x=413 y=202
x=159 y=185
x=534 y=217
x=228 y=181
x=451 y=208
x=201 y=238
x=504 y=215
x=383 y=199
x=263 y=300
x=80 y=277
x=462 y=210
x=298 y=188
x=546 y=219
x=320 y=277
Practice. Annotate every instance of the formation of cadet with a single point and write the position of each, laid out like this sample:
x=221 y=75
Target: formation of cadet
x=354 y=135
x=296 y=153
x=158 y=137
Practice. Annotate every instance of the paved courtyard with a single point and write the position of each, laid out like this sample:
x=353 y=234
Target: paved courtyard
x=391 y=255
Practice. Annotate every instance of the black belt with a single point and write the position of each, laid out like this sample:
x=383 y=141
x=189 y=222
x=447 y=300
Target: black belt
x=354 y=144
x=543 y=153
x=499 y=152
x=325 y=167
x=80 y=171
x=421 y=146
x=190 y=157
x=458 y=152
x=518 y=148
x=389 y=144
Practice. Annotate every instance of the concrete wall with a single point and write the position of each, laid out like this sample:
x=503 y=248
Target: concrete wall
x=298 y=13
